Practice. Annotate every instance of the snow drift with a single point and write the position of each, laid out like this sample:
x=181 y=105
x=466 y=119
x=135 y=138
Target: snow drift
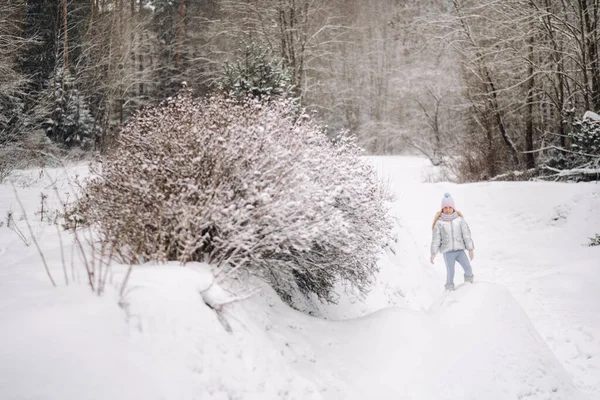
x=166 y=342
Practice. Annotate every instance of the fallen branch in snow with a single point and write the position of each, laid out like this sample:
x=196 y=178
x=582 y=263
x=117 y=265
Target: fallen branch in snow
x=218 y=306
x=32 y=235
x=216 y=301
x=552 y=147
x=590 y=173
x=221 y=319
x=514 y=175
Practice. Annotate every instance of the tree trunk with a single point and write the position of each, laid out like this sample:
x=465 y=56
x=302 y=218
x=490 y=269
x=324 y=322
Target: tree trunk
x=490 y=88
x=498 y=116
x=65 y=37
x=561 y=84
x=180 y=33
x=529 y=100
x=41 y=23
x=589 y=26
x=584 y=55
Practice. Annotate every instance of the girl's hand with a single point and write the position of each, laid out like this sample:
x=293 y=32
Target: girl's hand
x=432 y=258
x=471 y=255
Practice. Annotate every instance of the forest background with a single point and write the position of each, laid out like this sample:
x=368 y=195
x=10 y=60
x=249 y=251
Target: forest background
x=486 y=87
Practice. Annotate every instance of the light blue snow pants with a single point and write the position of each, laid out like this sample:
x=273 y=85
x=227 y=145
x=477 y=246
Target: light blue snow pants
x=450 y=258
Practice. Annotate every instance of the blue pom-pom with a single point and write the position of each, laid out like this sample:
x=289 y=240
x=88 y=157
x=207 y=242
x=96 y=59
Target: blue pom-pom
x=447 y=195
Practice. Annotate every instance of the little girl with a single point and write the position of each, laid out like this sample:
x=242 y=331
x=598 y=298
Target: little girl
x=451 y=236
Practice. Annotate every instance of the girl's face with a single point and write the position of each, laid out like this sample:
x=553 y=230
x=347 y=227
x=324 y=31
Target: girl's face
x=447 y=210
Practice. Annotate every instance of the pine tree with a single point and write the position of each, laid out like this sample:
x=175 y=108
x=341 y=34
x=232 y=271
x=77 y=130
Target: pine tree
x=584 y=152
x=70 y=121
x=255 y=72
x=586 y=137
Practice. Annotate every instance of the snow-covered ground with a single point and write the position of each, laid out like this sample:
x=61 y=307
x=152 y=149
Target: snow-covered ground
x=528 y=328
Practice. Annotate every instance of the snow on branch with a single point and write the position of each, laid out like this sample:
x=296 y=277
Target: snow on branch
x=246 y=186
x=591 y=116
x=581 y=161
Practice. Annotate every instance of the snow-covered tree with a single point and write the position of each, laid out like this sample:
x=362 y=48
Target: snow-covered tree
x=586 y=137
x=581 y=161
x=71 y=121
x=255 y=73
x=245 y=186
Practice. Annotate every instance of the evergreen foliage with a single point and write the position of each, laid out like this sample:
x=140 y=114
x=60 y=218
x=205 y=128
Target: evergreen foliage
x=70 y=122
x=584 y=151
x=255 y=73
x=586 y=137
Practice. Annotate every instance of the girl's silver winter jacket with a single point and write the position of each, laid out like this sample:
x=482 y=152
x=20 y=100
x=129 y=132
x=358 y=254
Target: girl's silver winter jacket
x=451 y=236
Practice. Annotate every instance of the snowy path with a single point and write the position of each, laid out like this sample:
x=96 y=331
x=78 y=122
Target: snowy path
x=531 y=238
x=476 y=344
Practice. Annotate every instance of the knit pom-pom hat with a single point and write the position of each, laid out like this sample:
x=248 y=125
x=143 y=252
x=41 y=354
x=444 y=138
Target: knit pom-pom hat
x=448 y=201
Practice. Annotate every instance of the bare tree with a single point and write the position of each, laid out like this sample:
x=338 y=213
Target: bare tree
x=14 y=121
x=430 y=146
x=118 y=81
x=12 y=80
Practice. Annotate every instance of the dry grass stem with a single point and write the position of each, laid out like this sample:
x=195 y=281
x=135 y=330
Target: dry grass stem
x=35 y=242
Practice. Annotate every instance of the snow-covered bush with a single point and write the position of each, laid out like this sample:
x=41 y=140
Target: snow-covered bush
x=245 y=186
x=595 y=241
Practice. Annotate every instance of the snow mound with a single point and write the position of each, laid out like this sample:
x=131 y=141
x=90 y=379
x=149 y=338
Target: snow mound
x=474 y=343
x=229 y=346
